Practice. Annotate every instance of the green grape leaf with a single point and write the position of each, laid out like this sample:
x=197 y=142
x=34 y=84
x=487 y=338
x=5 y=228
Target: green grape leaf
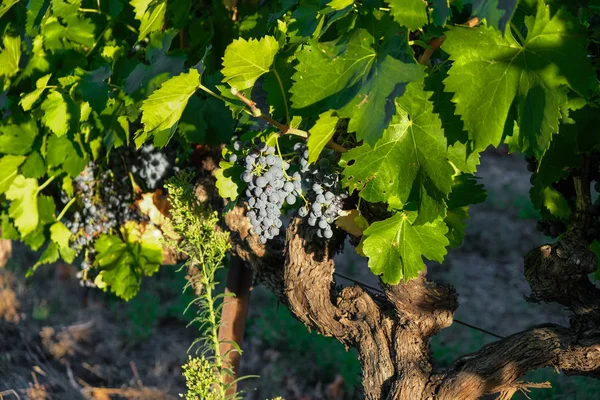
x=353 y=78
x=496 y=12
x=10 y=55
x=7 y=229
x=163 y=109
x=60 y=234
x=466 y=191
x=58 y=149
x=409 y=13
x=411 y=152
x=247 y=60
x=28 y=100
x=35 y=10
x=153 y=19
x=441 y=12
x=23 y=194
x=562 y=155
x=34 y=167
x=140 y=7
x=459 y=147
x=124 y=262
x=6 y=5
x=535 y=76
x=9 y=165
x=49 y=255
x=547 y=199
x=93 y=87
x=396 y=247
x=455 y=220
x=321 y=132
x=65 y=8
x=18 y=138
x=339 y=4
x=227 y=177
x=192 y=125
x=70 y=32
x=46 y=209
x=36 y=239
x=56 y=113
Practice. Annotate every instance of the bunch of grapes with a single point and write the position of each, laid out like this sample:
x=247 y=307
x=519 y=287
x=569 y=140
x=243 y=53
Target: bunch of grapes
x=324 y=192
x=154 y=165
x=116 y=192
x=551 y=228
x=93 y=219
x=269 y=188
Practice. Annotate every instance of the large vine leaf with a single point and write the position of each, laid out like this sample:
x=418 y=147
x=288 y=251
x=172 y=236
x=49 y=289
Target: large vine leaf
x=396 y=247
x=535 y=76
x=23 y=194
x=247 y=60
x=350 y=76
x=124 y=262
x=412 y=152
x=409 y=13
x=163 y=109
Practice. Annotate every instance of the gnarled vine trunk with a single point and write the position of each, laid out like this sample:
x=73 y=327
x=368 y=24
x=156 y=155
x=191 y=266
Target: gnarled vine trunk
x=392 y=332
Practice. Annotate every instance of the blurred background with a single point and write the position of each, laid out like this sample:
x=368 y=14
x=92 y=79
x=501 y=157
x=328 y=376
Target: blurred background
x=59 y=340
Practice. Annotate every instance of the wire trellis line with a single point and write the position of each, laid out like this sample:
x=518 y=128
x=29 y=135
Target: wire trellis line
x=374 y=289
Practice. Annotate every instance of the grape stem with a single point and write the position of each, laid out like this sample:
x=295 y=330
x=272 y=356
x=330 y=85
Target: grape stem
x=285 y=129
x=436 y=43
x=66 y=208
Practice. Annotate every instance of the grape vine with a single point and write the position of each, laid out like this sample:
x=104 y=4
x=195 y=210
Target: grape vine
x=351 y=118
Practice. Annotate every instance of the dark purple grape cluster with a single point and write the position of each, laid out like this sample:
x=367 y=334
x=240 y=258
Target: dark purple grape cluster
x=551 y=228
x=154 y=165
x=116 y=192
x=324 y=192
x=93 y=219
x=269 y=187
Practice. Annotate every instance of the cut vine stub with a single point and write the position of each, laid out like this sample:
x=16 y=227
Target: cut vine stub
x=233 y=318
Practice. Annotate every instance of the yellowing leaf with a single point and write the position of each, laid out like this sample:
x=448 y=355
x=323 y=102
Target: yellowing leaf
x=352 y=222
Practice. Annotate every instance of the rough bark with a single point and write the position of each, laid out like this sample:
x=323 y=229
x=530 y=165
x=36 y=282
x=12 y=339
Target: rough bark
x=392 y=332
